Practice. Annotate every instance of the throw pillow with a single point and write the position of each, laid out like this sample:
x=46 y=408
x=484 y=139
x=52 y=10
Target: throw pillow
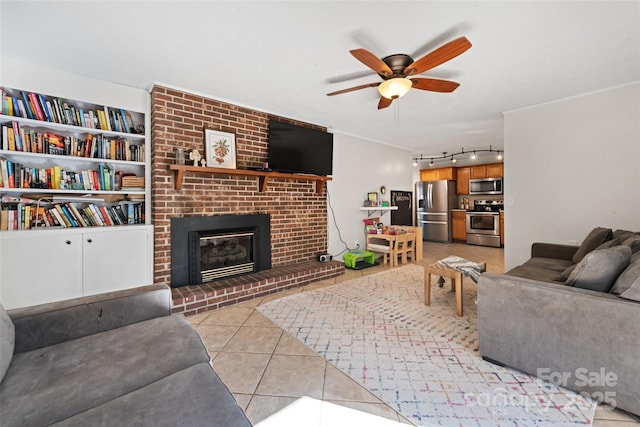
x=609 y=244
x=628 y=278
x=595 y=238
x=598 y=270
x=633 y=292
x=7 y=341
x=634 y=243
x=622 y=234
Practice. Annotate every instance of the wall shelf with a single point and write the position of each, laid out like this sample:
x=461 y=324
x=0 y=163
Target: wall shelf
x=371 y=209
x=263 y=176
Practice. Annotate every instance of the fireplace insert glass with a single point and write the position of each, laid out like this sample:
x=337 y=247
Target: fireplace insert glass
x=225 y=255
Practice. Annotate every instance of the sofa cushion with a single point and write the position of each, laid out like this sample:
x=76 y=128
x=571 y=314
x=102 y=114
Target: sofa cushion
x=192 y=397
x=7 y=341
x=50 y=384
x=595 y=238
x=533 y=273
x=628 y=278
x=562 y=277
x=553 y=264
x=598 y=270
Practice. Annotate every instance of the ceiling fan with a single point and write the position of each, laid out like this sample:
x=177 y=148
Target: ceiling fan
x=397 y=69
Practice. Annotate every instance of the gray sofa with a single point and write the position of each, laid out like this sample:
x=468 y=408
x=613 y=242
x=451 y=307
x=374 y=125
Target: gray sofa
x=570 y=315
x=109 y=360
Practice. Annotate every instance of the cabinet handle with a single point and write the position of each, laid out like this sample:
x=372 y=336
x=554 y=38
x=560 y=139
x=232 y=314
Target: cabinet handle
x=68 y=242
x=89 y=240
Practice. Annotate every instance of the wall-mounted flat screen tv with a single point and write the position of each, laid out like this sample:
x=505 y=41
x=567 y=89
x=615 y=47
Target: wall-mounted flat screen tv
x=296 y=149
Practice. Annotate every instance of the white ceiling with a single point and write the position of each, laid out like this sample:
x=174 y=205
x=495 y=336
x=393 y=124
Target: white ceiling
x=283 y=57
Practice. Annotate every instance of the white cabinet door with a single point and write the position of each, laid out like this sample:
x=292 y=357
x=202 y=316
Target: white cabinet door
x=39 y=267
x=115 y=259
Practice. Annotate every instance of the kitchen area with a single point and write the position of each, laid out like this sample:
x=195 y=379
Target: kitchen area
x=462 y=204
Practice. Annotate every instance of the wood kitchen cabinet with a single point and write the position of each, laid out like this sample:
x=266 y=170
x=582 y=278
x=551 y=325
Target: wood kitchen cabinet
x=438 y=174
x=462 y=183
x=502 y=228
x=479 y=171
x=495 y=170
x=459 y=225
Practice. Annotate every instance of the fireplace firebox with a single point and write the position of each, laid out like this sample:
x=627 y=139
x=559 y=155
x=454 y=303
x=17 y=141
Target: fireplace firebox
x=216 y=256
x=205 y=249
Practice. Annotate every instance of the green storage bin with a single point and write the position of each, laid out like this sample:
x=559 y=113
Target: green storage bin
x=352 y=258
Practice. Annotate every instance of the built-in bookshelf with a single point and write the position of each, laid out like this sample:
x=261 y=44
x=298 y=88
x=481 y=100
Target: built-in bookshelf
x=65 y=163
x=74 y=191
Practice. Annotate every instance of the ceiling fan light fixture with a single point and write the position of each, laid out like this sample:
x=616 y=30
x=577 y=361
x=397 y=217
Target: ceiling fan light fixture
x=395 y=87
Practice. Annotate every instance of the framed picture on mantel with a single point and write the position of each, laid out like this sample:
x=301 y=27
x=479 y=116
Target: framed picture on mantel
x=220 y=149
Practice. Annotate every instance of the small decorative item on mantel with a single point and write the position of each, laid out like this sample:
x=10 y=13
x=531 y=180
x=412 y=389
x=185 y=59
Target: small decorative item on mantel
x=179 y=156
x=195 y=156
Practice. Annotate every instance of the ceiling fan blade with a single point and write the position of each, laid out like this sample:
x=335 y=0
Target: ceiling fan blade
x=384 y=102
x=351 y=89
x=353 y=76
x=439 y=56
x=371 y=61
x=434 y=85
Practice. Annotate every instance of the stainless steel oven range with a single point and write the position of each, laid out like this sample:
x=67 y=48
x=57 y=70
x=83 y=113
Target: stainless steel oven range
x=483 y=223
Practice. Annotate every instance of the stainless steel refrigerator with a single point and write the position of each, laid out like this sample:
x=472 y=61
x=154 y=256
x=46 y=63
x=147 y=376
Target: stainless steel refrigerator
x=434 y=201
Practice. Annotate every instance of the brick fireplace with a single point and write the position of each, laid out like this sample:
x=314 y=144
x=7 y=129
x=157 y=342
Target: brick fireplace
x=298 y=216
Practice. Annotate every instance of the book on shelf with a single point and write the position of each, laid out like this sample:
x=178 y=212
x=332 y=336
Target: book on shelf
x=16 y=107
x=28 y=106
x=4 y=219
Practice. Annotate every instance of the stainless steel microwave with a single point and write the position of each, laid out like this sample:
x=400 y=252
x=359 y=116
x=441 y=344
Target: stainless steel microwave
x=485 y=186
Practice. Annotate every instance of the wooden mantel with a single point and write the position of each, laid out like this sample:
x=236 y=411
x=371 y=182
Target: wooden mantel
x=263 y=176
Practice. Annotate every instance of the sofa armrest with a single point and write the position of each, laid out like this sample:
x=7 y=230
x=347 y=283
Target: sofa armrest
x=47 y=324
x=552 y=250
x=544 y=328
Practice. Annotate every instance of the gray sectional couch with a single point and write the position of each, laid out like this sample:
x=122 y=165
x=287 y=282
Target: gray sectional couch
x=570 y=315
x=117 y=359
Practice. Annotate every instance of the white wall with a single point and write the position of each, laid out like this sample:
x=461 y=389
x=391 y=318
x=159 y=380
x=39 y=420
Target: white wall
x=49 y=81
x=571 y=165
x=360 y=167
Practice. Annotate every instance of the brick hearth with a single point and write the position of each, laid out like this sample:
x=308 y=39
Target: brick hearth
x=198 y=298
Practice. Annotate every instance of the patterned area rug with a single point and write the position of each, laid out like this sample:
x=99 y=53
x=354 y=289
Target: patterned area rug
x=423 y=361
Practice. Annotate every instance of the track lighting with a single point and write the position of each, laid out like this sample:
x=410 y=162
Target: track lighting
x=453 y=156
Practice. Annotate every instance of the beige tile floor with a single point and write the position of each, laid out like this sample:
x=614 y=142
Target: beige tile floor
x=267 y=369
